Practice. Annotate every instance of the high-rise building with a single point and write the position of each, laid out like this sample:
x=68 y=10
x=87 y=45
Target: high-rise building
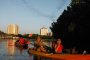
x=44 y=31
x=12 y=29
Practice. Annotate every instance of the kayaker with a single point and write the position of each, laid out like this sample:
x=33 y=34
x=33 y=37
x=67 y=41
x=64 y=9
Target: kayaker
x=18 y=40
x=39 y=45
x=58 y=47
x=21 y=40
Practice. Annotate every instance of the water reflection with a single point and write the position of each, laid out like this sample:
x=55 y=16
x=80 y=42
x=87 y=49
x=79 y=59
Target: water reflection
x=38 y=58
x=21 y=49
x=30 y=55
x=11 y=52
x=11 y=49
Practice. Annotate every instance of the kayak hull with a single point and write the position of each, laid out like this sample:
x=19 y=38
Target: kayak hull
x=25 y=46
x=60 y=56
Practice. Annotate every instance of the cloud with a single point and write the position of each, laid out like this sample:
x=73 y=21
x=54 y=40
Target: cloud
x=29 y=7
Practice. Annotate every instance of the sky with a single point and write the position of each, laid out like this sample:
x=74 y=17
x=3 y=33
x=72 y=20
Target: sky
x=30 y=15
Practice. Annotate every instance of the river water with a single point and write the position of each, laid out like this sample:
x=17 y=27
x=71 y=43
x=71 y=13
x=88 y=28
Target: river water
x=13 y=53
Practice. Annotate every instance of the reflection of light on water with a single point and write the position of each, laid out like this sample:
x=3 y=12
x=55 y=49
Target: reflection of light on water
x=13 y=53
x=12 y=57
x=11 y=49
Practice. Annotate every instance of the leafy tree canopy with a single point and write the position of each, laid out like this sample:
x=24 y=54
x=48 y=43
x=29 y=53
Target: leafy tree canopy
x=73 y=26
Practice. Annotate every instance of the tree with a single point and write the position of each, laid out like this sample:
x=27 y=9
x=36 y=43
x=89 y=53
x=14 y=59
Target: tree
x=73 y=26
x=1 y=32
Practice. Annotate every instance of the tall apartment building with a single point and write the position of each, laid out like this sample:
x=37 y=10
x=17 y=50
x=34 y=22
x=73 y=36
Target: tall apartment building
x=12 y=29
x=44 y=31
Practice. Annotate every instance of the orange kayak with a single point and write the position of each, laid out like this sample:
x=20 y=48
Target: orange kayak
x=60 y=56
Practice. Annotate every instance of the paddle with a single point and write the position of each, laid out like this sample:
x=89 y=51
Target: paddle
x=46 y=47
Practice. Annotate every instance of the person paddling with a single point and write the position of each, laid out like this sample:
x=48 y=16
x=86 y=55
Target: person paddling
x=58 y=47
x=39 y=44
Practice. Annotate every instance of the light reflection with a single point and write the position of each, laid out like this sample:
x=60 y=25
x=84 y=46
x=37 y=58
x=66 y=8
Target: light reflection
x=11 y=49
x=11 y=57
x=14 y=53
x=21 y=49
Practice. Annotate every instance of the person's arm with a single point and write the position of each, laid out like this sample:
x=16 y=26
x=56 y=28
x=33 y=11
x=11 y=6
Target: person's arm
x=56 y=47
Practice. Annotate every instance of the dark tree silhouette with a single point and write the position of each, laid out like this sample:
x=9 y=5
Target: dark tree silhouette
x=73 y=26
x=1 y=32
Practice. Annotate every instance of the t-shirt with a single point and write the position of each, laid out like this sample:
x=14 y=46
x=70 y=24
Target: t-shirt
x=60 y=48
x=40 y=43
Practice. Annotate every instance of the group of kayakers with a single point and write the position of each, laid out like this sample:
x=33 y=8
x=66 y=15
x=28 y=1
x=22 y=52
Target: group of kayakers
x=40 y=46
x=57 y=47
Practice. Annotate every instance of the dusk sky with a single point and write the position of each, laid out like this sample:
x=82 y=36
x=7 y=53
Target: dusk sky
x=30 y=15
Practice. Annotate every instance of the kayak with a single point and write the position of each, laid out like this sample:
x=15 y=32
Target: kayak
x=25 y=45
x=60 y=56
x=21 y=45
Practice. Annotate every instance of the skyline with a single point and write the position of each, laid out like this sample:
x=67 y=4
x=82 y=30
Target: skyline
x=30 y=15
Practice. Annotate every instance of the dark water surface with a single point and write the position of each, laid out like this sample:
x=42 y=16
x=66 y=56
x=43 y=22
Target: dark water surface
x=13 y=53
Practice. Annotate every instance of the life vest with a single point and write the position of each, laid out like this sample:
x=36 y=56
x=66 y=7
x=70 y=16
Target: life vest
x=60 y=48
x=54 y=44
x=21 y=40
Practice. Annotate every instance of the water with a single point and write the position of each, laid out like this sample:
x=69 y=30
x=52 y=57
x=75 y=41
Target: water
x=13 y=53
